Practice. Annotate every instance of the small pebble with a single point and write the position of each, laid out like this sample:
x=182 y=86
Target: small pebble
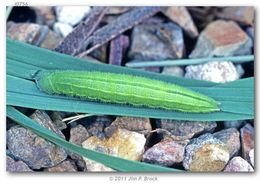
x=62 y=28
x=38 y=35
x=65 y=166
x=57 y=120
x=42 y=118
x=71 y=15
x=173 y=71
x=136 y=124
x=16 y=166
x=182 y=130
x=238 y=164
x=205 y=154
x=123 y=143
x=166 y=153
x=35 y=151
x=78 y=134
x=219 y=72
x=156 y=42
x=222 y=38
x=96 y=127
x=247 y=140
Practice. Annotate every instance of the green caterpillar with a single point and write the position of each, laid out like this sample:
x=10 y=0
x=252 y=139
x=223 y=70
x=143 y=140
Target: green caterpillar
x=124 y=89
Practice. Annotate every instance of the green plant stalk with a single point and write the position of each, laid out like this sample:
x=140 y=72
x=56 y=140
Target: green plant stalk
x=116 y=163
x=124 y=89
x=181 y=62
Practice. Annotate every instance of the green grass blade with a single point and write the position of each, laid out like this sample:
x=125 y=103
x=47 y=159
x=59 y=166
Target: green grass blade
x=196 y=61
x=110 y=161
x=237 y=98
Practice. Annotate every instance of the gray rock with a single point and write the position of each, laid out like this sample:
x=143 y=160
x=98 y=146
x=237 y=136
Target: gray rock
x=166 y=153
x=173 y=71
x=247 y=140
x=238 y=164
x=231 y=138
x=233 y=124
x=35 y=151
x=156 y=42
x=96 y=128
x=182 y=130
x=62 y=29
x=205 y=154
x=137 y=124
x=57 y=120
x=222 y=38
x=71 y=15
x=78 y=134
x=65 y=166
x=219 y=72
x=42 y=118
x=16 y=166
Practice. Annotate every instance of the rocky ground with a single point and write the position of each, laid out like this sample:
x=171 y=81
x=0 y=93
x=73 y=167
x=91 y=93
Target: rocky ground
x=172 y=33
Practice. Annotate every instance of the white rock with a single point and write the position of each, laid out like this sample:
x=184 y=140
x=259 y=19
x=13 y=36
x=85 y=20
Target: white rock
x=219 y=72
x=71 y=14
x=173 y=71
x=252 y=157
x=62 y=28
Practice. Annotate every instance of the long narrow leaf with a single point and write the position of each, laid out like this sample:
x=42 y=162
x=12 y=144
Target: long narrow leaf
x=23 y=60
x=181 y=62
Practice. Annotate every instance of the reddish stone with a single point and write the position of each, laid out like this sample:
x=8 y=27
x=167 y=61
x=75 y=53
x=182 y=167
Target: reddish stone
x=181 y=16
x=166 y=153
x=247 y=140
x=238 y=164
x=241 y=14
x=222 y=38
